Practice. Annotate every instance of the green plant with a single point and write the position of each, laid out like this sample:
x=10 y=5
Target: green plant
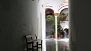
x=52 y=32
x=62 y=32
x=59 y=18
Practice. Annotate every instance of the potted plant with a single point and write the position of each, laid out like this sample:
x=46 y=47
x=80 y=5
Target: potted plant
x=59 y=18
x=61 y=34
x=52 y=34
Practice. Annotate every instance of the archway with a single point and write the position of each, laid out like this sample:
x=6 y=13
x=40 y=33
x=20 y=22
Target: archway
x=51 y=13
x=48 y=12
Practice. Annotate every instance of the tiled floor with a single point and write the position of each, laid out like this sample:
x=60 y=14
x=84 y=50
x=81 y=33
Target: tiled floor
x=62 y=45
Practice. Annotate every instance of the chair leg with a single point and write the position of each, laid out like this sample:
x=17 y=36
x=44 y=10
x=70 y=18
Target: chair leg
x=27 y=47
x=32 y=46
x=37 y=46
x=41 y=45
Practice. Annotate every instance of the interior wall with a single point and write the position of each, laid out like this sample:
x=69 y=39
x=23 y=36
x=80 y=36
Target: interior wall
x=17 y=19
x=42 y=5
x=35 y=17
x=80 y=26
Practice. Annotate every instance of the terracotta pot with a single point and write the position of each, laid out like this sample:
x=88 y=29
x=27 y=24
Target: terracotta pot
x=52 y=36
x=61 y=36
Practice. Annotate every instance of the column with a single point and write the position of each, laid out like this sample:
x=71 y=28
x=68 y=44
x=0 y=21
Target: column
x=56 y=14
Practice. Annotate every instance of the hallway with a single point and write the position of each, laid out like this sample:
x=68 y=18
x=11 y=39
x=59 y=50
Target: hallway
x=21 y=17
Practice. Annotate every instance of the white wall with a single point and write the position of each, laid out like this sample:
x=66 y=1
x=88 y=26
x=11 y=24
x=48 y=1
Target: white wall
x=41 y=15
x=64 y=24
x=34 y=17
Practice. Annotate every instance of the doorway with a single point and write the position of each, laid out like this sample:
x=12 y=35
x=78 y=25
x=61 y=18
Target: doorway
x=62 y=26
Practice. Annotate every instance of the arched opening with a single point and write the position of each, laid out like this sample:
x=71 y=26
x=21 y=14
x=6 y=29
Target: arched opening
x=48 y=12
x=64 y=11
x=51 y=9
x=65 y=21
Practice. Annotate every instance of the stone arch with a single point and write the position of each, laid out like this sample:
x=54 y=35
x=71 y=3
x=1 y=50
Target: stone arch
x=63 y=6
x=49 y=11
x=65 y=10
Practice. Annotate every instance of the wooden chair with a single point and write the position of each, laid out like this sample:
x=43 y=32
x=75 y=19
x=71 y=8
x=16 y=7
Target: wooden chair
x=32 y=40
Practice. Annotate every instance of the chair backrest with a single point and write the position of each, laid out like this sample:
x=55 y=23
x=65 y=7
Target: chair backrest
x=30 y=37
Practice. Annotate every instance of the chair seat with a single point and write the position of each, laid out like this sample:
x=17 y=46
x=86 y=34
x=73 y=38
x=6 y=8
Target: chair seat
x=37 y=40
x=34 y=46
